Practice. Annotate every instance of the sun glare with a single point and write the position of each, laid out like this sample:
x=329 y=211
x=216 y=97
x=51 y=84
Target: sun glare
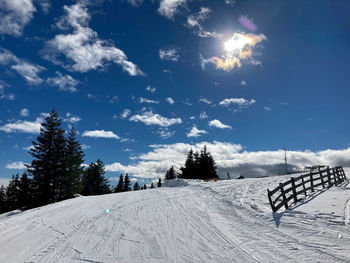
x=238 y=41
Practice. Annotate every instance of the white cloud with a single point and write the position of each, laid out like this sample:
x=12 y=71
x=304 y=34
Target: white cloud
x=164 y=133
x=85 y=147
x=30 y=72
x=24 y=112
x=171 y=54
x=15 y=15
x=4 y=181
x=219 y=124
x=195 y=132
x=71 y=119
x=267 y=108
x=169 y=8
x=203 y=115
x=170 y=100
x=100 y=134
x=150 y=118
x=3 y=95
x=82 y=47
x=144 y=100
x=16 y=166
x=150 y=89
x=230 y=2
x=23 y=126
x=241 y=102
x=63 y=82
x=243 y=83
x=229 y=157
x=195 y=21
x=205 y=100
x=135 y=2
x=126 y=113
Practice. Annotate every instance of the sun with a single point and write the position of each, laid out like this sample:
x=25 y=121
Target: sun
x=237 y=42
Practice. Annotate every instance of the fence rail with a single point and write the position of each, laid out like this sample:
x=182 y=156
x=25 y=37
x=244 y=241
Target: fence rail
x=289 y=192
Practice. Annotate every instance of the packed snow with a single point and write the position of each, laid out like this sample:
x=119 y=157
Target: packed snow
x=223 y=221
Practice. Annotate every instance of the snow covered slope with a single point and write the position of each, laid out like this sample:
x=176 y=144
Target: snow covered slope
x=224 y=221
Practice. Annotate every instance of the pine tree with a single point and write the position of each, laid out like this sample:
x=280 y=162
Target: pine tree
x=136 y=186
x=3 y=201
x=127 y=183
x=74 y=160
x=12 y=193
x=189 y=169
x=94 y=183
x=24 y=191
x=170 y=173
x=49 y=165
x=120 y=186
x=207 y=166
x=159 y=184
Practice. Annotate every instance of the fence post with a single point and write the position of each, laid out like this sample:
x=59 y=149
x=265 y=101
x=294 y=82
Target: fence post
x=270 y=200
x=329 y=177
x=322 y=181
x=294 y=190
x=284 y=197
x=343 y=174
x=312 y=182
x=302 y=179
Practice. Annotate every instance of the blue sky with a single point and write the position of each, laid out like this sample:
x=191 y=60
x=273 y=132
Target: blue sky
x=144 y=81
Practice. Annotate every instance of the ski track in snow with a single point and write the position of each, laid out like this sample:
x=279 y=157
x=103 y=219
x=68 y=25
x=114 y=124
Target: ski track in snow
x=226 y=221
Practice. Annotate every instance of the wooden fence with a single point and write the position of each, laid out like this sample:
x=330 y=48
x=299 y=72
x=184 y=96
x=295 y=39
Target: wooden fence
x=290 y=192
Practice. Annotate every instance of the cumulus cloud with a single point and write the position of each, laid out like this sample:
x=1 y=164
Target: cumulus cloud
x=23 y=126
x=15 y=15
x=171 y=54
x=24 y=112
x=170 y=100
x=30 y=72
x=3 y=95
x=203 y=115
x=230 y=158
x=63 y=82
x=82 y=47
x=150 y=118
x=100 y=134
x=169 y=8
x=230 y=2
x=150 y=89
x=240 y=102
x=239 y=49
x=205 y=100
x=71 y=119
x=16 y=166
x=164 y=133
x=126 y=113
x=195 y=132
x=219 y=124
x=243 y=83
x=135 y=3
x=144 y=100
x=194 y=21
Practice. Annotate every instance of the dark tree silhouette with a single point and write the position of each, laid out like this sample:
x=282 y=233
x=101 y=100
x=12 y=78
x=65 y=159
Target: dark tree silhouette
x=120 y=186
x=170 y=173
x=127 y=183
x=136 y=186
x=159 y=184
x=94 y=183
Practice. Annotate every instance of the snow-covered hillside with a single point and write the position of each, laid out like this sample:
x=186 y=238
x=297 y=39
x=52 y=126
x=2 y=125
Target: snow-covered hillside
x=224 y=221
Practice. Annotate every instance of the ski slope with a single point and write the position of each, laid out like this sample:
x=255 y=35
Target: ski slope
x=224 y=221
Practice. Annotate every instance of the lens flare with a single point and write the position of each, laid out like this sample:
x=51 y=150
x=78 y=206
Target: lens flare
x=237 y=42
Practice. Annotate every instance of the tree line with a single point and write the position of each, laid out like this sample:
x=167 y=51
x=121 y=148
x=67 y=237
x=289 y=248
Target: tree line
x=56 y=172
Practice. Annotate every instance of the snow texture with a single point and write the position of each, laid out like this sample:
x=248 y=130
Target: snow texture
x=224 y=221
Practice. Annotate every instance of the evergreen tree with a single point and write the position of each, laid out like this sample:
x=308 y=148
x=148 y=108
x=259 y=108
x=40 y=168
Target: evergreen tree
x=170 y=173
x=127 y=183
x=189 y=169
x=74 y=160
x=136 y=186
x=12 y=193
x=120 y=186
x=159 y=184
x=152 y=186
x=49 y=165
x=3 y=203
x=207 y=166
x=94 y=183
x=24 y=198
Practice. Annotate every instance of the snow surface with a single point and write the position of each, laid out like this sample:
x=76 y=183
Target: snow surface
x=224 y=221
